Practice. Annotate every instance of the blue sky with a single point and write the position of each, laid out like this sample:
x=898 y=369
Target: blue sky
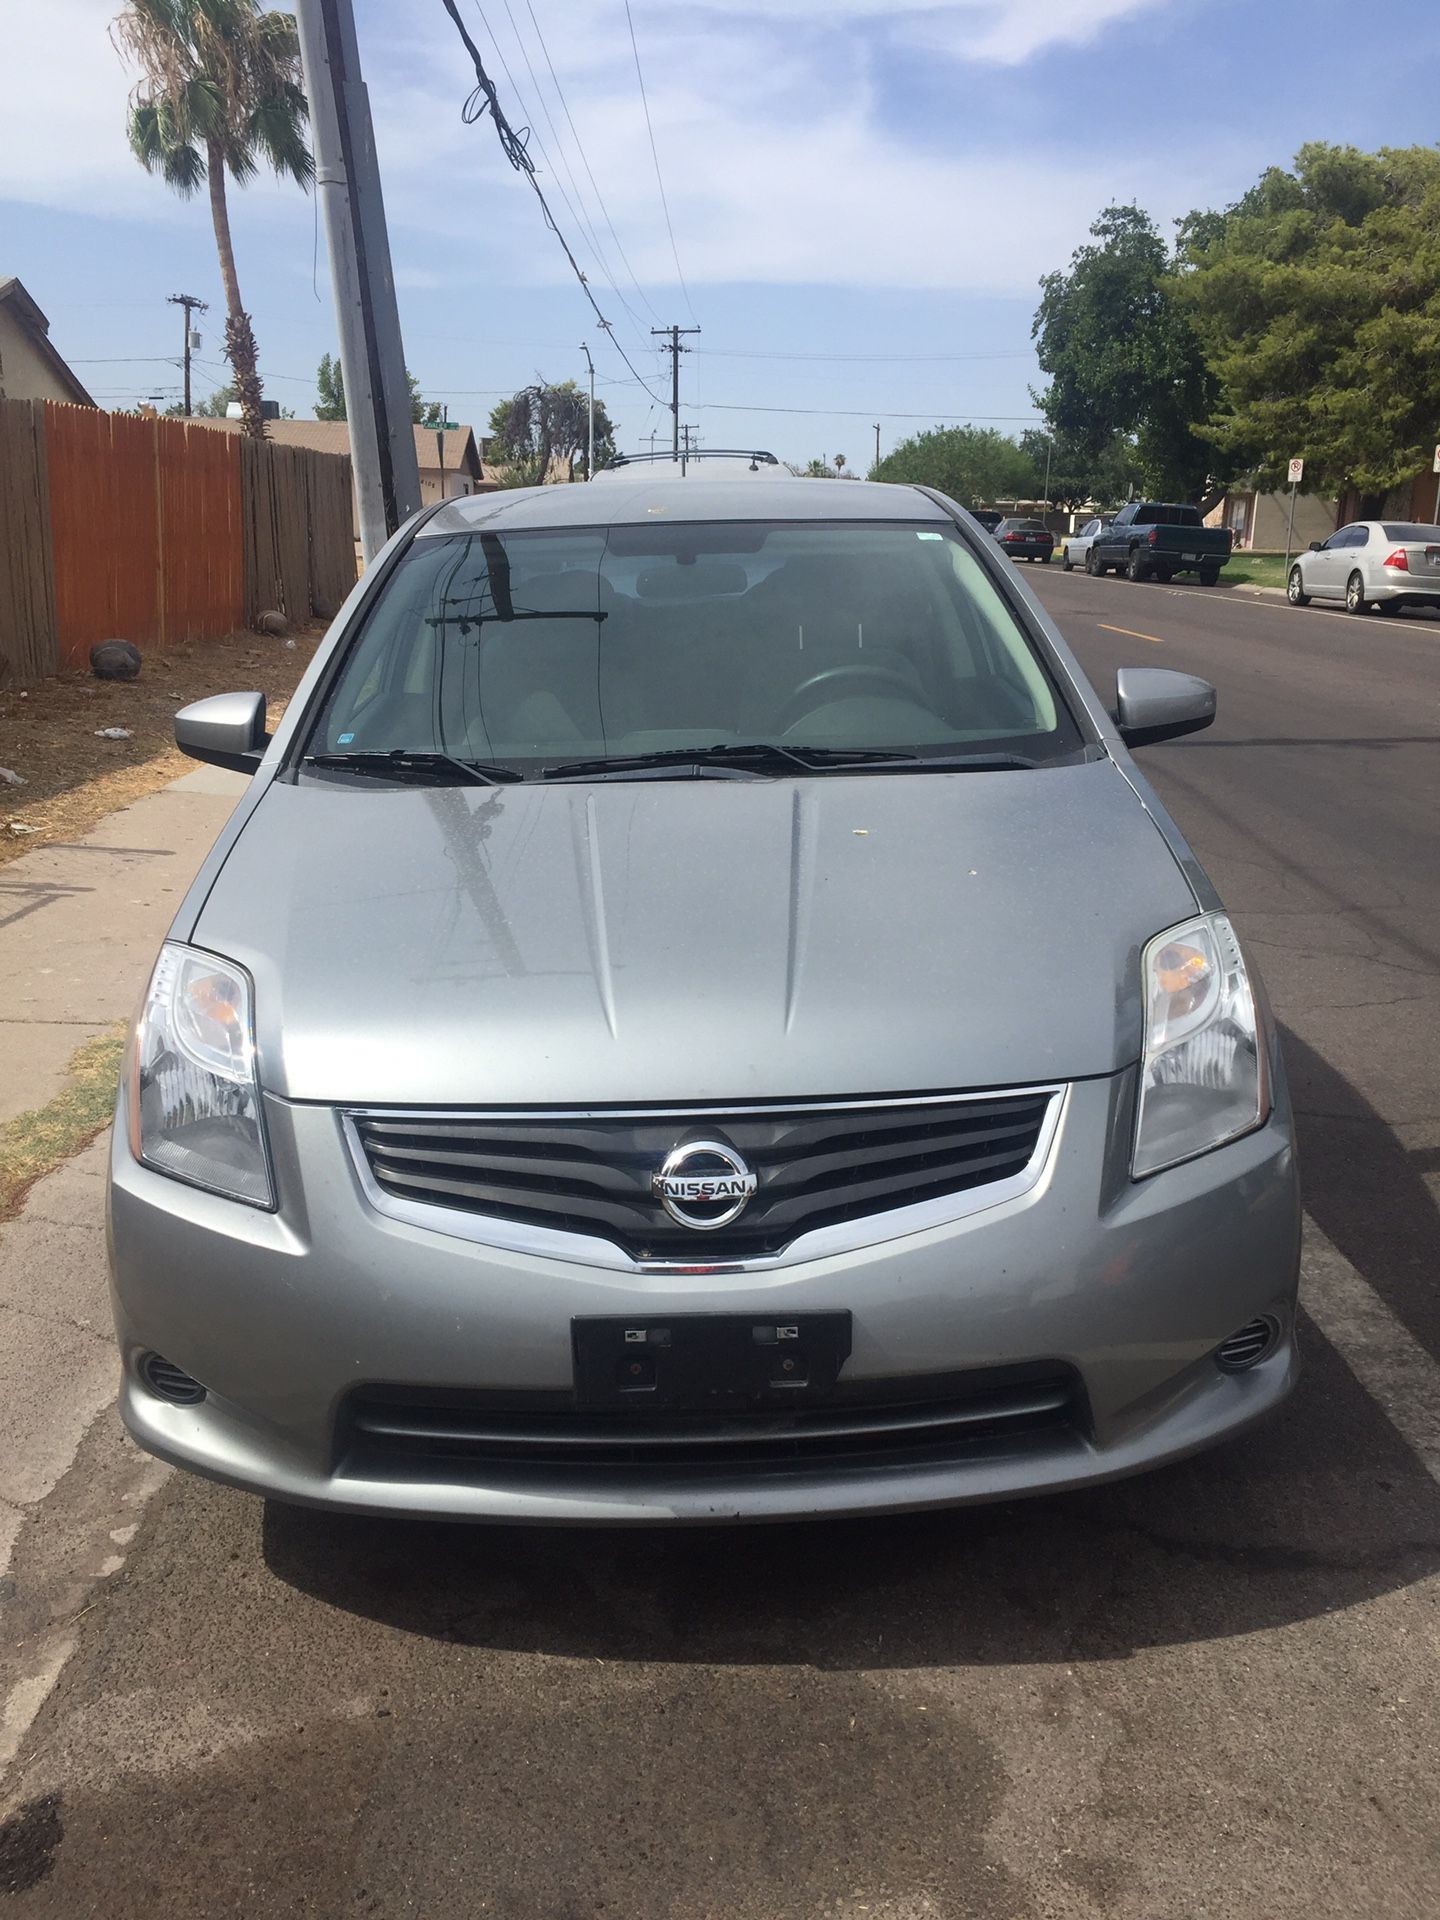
x=864 y=194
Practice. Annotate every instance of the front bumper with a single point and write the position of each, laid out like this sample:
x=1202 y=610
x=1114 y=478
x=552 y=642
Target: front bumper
x=283 y=1316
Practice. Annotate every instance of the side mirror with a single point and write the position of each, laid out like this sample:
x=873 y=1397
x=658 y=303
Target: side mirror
x=227 y=730
x=1317 y=546
x=1154 y=703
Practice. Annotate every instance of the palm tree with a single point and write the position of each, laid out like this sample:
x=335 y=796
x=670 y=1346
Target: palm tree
x=219 y=90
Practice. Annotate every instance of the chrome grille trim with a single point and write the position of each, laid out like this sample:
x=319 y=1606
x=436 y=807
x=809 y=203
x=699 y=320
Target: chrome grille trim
x=581 y=1249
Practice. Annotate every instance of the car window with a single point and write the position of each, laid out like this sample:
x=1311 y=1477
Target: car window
x=536 y=647
x=1411 y=530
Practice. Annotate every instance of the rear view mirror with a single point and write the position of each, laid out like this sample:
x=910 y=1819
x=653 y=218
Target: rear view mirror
x=227 y=730
x=1154 y=703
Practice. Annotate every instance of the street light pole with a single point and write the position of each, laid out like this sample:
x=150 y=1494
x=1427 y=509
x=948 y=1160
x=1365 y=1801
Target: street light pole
x=347 y=184
x=590 y=436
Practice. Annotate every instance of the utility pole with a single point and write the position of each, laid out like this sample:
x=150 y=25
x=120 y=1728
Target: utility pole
x=372 y=360
x=671 y=336
x=877 y=443
x=687 y=431
x=186 y=302
x=1049 y=449
x=590 y=435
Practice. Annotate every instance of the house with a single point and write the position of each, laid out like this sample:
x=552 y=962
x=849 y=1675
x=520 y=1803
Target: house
x=1263 y=519
x=450 y=462
x=30 y=367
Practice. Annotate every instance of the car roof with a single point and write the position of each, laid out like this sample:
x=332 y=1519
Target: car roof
x=630 y=501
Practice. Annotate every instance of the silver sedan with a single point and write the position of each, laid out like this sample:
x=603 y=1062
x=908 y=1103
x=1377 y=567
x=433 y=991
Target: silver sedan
x=1387 y=564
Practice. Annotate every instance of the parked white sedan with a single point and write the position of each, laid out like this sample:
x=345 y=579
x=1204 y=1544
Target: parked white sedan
x=1387 y=564
x=1075 y=549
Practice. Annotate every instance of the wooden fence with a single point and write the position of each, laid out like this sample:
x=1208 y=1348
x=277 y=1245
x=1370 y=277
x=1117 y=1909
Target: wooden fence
x=156 y=531
x=299 y=530
x=27 y=597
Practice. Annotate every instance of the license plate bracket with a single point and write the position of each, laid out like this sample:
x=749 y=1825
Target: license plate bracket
x=707 y=1362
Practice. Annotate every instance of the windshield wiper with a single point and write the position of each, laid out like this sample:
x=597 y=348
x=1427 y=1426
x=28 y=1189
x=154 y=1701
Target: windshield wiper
x=728 y=754
x=401 y=760
x=759 y=753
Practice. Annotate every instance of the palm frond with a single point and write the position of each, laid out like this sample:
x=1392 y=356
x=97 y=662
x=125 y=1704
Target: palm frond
x=160 y=149
x=276 y=129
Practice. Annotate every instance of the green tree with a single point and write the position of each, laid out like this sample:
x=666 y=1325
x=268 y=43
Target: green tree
x=1317 y=300
x=219 y=91
x=972 y=464
x=1125 y=361
x=330 y=395
x=543 y=424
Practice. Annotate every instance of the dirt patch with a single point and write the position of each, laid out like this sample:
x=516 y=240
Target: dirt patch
x=35 y=1143
x=48 y=735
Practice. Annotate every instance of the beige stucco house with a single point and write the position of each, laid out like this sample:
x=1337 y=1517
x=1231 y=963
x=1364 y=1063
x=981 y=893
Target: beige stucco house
x=30 y=367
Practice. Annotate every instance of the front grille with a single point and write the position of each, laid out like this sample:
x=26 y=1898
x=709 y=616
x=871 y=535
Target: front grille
x=406 y=1433
x=815 y=1166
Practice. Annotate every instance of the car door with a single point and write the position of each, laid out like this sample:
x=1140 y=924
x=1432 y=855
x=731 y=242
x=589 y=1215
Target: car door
x=1325 y=571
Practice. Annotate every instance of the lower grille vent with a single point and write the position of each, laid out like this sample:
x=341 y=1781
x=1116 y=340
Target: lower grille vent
x=392 y=1431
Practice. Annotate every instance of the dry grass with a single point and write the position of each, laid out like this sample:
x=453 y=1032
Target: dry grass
x=35 y=1143
x=72 y=779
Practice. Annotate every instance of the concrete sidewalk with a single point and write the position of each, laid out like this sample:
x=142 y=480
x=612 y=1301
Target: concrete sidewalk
x=79 y=927
x=80 y=921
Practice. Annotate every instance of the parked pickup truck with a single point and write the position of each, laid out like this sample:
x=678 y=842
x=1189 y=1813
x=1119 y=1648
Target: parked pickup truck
x=1153 y=539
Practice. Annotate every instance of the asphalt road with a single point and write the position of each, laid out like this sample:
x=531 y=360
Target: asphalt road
x=1210 y=1692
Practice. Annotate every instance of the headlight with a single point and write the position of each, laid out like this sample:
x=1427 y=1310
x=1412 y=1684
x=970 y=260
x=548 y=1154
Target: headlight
x=194 y=1101
x=1203 y=1079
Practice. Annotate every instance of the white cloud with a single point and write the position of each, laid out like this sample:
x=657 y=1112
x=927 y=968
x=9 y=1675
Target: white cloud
x=783 y=162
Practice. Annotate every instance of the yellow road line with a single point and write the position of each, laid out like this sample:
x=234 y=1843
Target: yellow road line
x=1131 y=634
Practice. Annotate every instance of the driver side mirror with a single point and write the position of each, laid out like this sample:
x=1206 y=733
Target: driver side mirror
x=1317 y=546
x=1155 y=703
x=227 y=730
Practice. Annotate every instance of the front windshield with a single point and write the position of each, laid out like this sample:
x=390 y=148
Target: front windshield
x=532 y=649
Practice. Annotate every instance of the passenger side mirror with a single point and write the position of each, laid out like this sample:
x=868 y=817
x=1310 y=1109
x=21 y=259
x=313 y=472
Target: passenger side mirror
x=1154 y=703
x=1317 y=546
x=227 y=730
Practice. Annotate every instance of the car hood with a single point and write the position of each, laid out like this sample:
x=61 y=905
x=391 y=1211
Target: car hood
x=696 y=939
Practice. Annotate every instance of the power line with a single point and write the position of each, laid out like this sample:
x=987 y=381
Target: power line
x=655 y=156
x=886 y=359
x=866 y=413
x=585 y=162
x=482 y=99
x=576 y=214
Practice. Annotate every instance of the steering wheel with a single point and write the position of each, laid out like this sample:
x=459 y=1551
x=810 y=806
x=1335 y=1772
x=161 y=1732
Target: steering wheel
x=800 y=703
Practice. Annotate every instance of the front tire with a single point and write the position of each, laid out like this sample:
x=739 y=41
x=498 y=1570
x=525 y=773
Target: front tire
x=1135 y=567
x=1067 y=565
x=1355 y=601
x=1094 y=565
x=1295 y=589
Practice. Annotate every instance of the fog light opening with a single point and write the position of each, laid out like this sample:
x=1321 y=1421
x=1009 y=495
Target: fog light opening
x=169 y=1382
x=1249 y=1345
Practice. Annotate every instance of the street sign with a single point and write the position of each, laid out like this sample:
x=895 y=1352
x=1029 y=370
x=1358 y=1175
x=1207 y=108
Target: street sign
x=1297 y=469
